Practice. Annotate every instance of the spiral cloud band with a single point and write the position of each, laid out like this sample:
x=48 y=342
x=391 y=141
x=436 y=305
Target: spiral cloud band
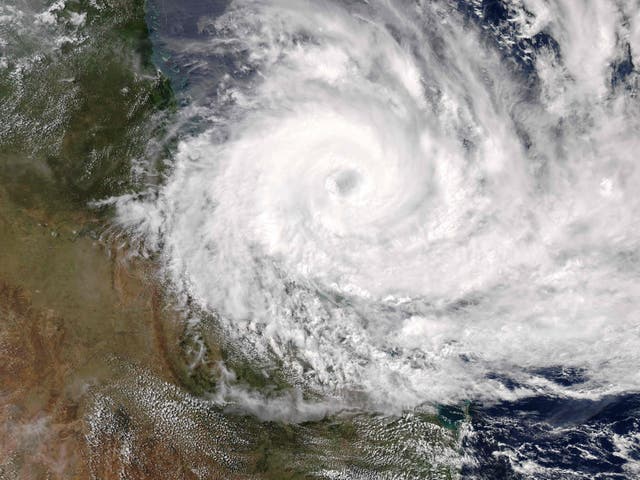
x=399 y=207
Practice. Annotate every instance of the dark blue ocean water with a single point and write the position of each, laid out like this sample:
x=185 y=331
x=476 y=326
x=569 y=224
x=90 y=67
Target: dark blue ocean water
x=564 y=438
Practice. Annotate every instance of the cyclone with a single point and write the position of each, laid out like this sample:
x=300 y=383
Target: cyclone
x=398 y=207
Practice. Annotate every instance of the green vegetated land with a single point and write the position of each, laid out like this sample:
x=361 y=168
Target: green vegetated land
x=75 y=119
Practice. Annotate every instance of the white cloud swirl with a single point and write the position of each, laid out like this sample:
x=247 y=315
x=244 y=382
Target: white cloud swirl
x=395 y=213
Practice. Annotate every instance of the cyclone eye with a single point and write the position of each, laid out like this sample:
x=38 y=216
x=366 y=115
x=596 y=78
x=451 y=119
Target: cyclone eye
x=342 y=183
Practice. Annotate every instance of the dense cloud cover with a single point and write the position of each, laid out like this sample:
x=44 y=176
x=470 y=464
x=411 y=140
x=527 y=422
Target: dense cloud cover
x=400 y=204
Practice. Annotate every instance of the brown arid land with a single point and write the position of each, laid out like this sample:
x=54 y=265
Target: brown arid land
x=88 y=351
